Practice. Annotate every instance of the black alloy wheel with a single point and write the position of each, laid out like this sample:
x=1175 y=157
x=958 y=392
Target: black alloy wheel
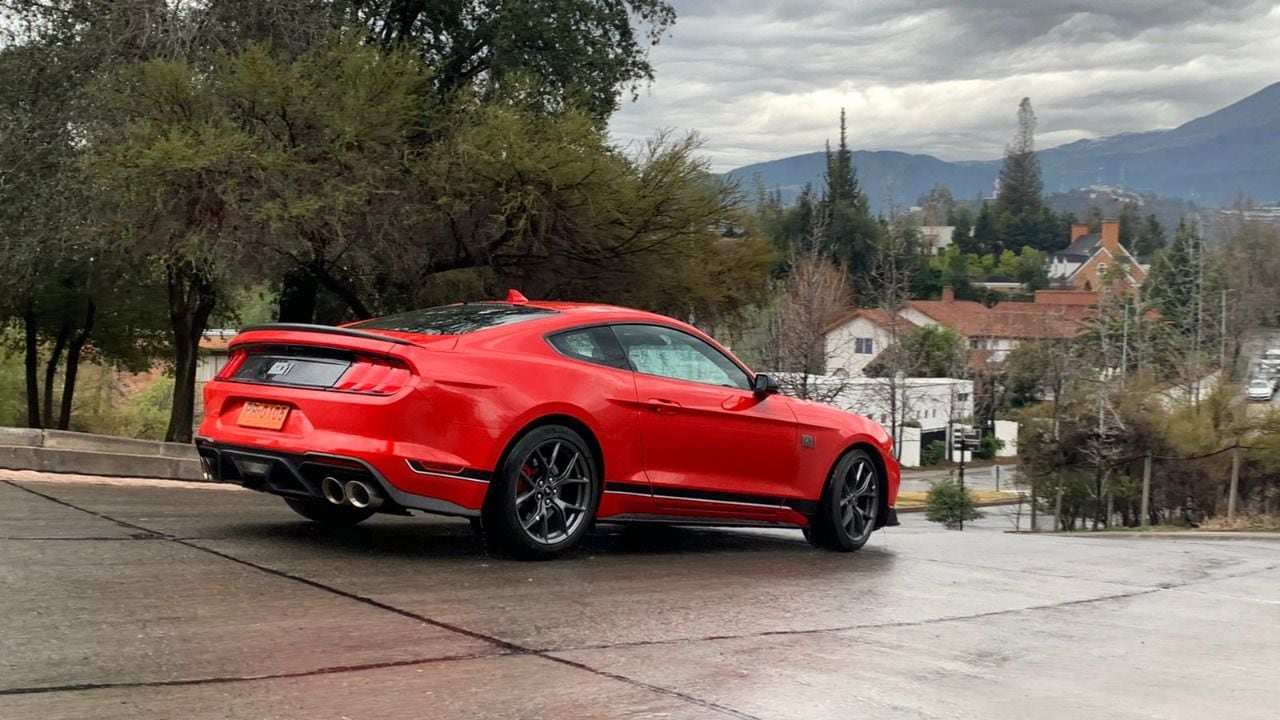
x=544 y=495
x=850 y=506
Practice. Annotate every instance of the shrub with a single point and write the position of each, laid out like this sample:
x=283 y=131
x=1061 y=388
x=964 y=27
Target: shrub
x=949 y=504
x=146 y=415
x=933 y=453
x=988 y=447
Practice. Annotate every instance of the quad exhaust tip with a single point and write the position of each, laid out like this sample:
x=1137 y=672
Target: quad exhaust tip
x=354 y=493
x=362 y=496
x=333 y=490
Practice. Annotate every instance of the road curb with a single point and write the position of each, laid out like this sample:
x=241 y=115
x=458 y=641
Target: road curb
x=989 y=503
x=56 y=451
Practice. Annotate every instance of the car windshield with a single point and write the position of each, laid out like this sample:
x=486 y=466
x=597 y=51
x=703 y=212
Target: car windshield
x=1261 y=384
x=454 y=319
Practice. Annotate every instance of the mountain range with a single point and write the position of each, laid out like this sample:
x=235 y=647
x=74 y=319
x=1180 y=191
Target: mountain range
x=1211 y=160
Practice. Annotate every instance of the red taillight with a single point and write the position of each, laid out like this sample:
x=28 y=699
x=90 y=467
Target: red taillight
x=233 y=364
x=376 y=376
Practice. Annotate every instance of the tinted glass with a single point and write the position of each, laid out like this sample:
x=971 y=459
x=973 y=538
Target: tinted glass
x=454 y=319
x=666 y=352
x=595 y=345
x=289 y=369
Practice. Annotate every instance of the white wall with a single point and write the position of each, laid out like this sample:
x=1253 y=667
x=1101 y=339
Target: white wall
x=927 y=401
x=909 y=447
x=1007 y=431
x=931 y=402
x=936 y=238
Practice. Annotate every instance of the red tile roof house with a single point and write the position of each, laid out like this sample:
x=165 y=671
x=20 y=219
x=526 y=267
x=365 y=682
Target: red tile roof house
x=856 y=338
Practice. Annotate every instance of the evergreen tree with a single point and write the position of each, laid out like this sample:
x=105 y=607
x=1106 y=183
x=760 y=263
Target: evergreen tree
x=962 y=220
x=841 y=177
x=1129 y=226
x=1150 y=238
x=799 y=226
x=852 y=234
x=1176 y=278
x=1020 y=183
x=985 y=238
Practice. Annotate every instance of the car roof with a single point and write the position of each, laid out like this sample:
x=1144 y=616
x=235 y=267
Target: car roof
x=576 y=312
x=564 y=315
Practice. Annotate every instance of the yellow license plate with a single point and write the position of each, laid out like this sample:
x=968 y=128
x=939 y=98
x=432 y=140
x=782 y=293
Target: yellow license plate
x=263 y=415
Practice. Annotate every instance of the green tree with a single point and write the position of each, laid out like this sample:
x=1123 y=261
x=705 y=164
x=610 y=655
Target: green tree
x=1129 y=226
x=961 y=218
x=1175 y=282
x=938 y=206
x=326 y=180
x=1021 y=187
x=167 y=164
x=1032 y=269
x=1150 y=238
x=544 y=54
x=985 y=238
x=852 y=234
x=929 y=351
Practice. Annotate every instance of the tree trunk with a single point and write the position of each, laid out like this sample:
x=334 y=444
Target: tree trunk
x=343 y=289
x=73 y=365
x=191 y=301
x=298 y=290
x=51 y=370
x=32 y=344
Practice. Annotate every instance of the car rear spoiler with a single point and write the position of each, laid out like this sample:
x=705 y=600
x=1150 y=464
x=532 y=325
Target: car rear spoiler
x=325 y=330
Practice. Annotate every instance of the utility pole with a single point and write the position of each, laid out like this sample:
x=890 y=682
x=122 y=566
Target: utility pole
x=1124 y=347
x=1221 y=352
x=1235 y=483
x=963 y=444
x=1146 y=491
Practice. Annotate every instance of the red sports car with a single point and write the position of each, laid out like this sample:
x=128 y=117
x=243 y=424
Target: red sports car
x=536 y=419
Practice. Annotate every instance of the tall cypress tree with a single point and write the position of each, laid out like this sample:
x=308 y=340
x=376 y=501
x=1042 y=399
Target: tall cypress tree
x=1021 y=187
x=852 y=234
x=841 y=176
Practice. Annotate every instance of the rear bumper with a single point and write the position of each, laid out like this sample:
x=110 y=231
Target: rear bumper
x=298 y=475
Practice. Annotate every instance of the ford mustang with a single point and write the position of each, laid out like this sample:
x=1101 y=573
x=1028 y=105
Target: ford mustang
x=536 y=419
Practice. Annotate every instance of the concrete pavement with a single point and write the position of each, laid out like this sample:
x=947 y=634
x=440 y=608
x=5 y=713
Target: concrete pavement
x=181 y=600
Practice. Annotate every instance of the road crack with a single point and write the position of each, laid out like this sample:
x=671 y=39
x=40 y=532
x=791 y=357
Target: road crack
x=504 y=648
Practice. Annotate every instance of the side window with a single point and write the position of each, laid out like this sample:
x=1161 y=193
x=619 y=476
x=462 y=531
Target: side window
x=594 y=344
x=670 y=353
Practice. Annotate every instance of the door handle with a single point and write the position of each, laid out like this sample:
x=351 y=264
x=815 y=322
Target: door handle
x=659 y=405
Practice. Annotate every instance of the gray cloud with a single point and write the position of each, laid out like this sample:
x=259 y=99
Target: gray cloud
x=761 y=80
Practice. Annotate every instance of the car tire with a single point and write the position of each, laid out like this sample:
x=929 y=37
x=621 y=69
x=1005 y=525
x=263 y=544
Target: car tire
x=543 y=497
x=326 y=513
x=850 y=504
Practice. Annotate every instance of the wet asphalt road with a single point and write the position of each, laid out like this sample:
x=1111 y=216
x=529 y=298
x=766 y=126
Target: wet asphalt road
x=180 y=602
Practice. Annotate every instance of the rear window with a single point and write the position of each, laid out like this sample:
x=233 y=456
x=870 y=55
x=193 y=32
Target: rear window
x=454 y=319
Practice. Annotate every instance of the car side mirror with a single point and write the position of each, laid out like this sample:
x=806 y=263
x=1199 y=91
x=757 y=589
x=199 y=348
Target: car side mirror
x=764 y=386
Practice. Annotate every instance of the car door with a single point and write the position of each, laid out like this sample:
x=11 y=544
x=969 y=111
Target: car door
x=709 y=445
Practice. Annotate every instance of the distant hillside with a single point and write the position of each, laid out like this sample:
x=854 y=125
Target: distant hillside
x=885 y=176
x=1210 y=160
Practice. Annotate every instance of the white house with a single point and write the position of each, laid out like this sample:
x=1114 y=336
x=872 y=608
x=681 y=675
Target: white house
x=935 y=239
x=855 y=339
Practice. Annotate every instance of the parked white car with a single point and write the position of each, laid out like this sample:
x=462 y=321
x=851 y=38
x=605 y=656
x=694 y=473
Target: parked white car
x=1261 y=389
x=1270 y=361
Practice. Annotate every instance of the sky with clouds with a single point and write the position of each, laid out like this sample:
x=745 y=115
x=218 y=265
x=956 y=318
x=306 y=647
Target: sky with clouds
x=761 y=80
